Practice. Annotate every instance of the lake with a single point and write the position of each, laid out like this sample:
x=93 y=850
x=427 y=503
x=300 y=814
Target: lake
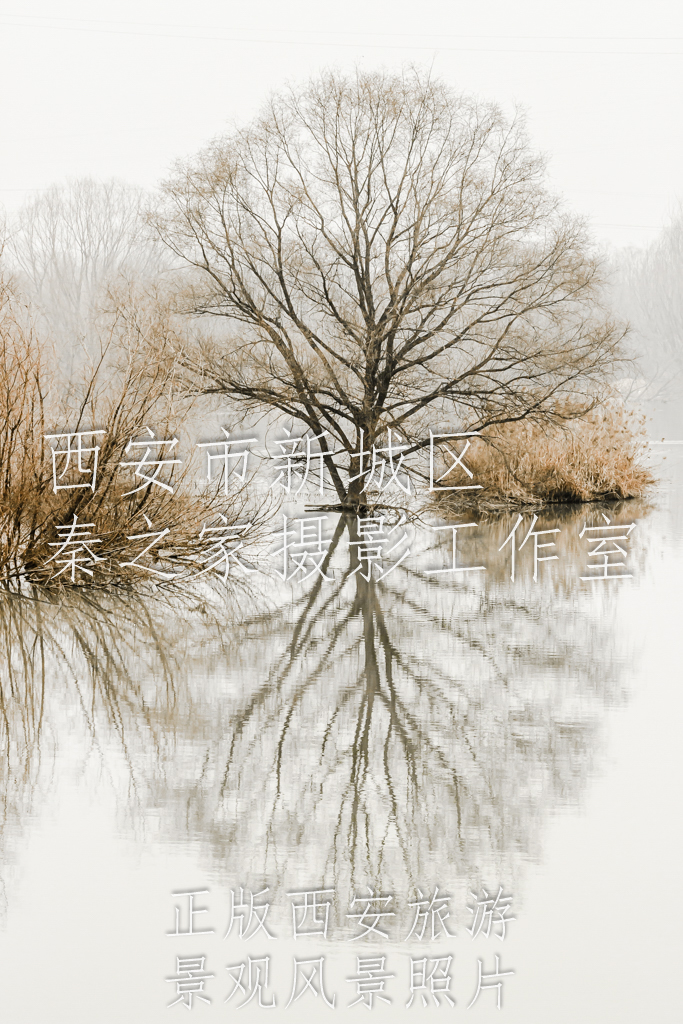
x=428 y=788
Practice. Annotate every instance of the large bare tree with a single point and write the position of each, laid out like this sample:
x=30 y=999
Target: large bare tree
x=384 y=253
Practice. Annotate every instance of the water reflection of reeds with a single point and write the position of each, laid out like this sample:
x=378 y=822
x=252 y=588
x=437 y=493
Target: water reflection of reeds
x=484 y=543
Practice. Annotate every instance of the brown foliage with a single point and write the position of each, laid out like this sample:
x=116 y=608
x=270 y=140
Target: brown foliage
x=122 y=394
x=596 y=457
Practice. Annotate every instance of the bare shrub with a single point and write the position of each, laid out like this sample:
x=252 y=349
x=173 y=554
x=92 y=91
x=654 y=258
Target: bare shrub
x=122 y=393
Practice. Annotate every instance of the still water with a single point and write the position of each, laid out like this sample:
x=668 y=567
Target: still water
x=429 y=736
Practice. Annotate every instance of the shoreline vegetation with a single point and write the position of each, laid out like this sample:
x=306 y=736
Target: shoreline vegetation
x=122 y=394
x=590 y=458
x=372 y=254
x=598 y=457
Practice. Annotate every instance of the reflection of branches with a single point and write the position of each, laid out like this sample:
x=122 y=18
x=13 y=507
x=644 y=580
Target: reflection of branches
x=98 y=668
x=408 y=732
x=398 y=733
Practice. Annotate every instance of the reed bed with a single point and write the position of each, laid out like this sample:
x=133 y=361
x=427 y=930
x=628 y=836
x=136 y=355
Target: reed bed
x=599 y=457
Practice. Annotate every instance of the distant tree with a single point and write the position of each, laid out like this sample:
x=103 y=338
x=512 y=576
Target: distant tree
x=384 y=253
x=648 y=290
x=69 y=245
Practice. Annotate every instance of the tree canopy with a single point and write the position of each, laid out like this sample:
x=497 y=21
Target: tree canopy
x=385 y=253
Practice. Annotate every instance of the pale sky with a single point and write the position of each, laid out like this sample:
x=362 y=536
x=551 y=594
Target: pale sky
x=122 y=90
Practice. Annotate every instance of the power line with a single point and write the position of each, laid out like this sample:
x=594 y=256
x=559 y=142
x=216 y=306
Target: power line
x=434 y=48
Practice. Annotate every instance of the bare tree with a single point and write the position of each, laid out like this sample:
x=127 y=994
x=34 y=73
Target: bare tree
x=385 y=254
x=69 y=245
x=647 y=289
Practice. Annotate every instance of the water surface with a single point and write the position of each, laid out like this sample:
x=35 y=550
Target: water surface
x=452 y=732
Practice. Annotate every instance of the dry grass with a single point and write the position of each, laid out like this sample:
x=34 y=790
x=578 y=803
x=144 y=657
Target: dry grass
x=599 y=457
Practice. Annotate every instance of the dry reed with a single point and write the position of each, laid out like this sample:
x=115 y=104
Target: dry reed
x=598 y=457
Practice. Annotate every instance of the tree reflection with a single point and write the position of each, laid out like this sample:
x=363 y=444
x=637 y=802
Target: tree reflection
x=395 y=733
x=404 y=733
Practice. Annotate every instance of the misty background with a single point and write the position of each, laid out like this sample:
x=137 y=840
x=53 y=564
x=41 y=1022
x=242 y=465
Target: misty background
x=96 y=107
